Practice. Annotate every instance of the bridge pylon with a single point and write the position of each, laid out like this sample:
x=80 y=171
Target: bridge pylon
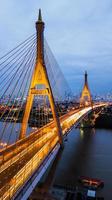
x=40 y=84
x=85 y=99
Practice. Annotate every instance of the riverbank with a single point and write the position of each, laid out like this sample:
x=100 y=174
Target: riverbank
x=104 y=121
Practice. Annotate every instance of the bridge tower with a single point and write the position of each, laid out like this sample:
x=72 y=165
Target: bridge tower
x=40 y=84
x=85 y=99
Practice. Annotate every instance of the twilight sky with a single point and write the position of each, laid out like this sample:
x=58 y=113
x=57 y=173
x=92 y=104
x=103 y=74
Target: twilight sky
x=79 y=32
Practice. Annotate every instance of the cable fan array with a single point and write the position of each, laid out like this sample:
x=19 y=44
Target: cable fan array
x=61 y=91
x=15 y=74
x=16 y=68
x=60 y=87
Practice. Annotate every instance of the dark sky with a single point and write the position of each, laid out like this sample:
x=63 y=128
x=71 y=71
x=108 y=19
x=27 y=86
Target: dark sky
x=79 y=33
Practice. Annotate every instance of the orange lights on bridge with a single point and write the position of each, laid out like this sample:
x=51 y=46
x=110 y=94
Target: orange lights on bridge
x=3 y=144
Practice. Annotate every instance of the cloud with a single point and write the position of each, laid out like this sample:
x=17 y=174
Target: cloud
x=79 y=33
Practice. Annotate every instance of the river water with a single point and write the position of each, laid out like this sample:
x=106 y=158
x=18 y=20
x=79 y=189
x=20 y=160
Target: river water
x=87 y=153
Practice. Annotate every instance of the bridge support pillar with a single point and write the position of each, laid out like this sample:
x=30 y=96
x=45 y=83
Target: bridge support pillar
x=85 y=99
x=40 y=80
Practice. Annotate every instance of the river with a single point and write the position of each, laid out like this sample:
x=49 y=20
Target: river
x=87 y=153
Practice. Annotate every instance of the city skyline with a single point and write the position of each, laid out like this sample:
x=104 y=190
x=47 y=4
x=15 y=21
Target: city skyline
x=83 y=29
x=55 y=144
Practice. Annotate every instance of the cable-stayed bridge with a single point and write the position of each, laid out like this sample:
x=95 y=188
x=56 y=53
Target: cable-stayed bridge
x=35 y=114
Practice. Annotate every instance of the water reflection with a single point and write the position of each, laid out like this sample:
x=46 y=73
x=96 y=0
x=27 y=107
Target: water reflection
x=87 y=153
x=81 y=133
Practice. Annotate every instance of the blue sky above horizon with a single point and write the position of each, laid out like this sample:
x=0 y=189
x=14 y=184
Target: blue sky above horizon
x=78 y=32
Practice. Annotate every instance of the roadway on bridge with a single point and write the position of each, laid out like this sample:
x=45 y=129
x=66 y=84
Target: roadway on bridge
x=17 y=171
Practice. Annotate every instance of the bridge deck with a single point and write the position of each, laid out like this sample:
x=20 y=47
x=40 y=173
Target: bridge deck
x=19 y=161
